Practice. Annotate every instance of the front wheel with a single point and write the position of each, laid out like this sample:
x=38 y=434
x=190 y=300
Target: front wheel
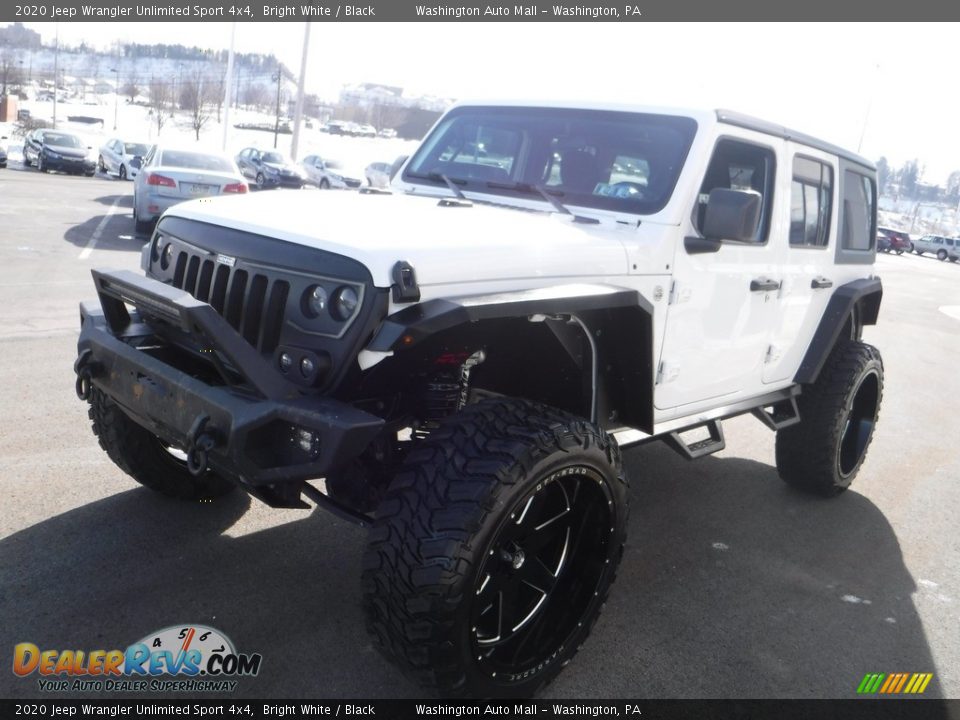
x=144 y=457
x=824 y=451
x=260 y=181
x=324 y=184
x=122 y=173
x=40 y=166
x=941 y=255
x=494 y=549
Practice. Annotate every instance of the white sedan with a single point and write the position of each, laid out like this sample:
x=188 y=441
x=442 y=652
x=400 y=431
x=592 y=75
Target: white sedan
x=121 y=157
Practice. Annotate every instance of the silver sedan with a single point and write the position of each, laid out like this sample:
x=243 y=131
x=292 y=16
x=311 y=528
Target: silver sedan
x=172 y=175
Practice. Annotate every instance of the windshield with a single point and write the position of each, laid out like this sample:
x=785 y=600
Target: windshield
x=62 y=140
x=621 y=161
x=195 y=161
x=274 y=157
x=136 y=149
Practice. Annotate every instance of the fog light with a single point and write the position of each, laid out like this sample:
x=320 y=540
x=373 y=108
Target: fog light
x=286 y=361
x=308 y=441
x=307 y=366
x=314 y=301
x=344 y=303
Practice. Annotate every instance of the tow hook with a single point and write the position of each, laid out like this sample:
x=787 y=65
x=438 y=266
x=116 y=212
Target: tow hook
x=200 y=442
x=84 y=369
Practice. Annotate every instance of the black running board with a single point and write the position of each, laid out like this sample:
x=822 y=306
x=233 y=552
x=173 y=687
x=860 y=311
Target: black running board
x=778 y=415
x=699 y=448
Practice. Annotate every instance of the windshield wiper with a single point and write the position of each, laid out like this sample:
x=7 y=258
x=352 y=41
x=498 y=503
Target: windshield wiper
x=440 y=177
x=542 y=191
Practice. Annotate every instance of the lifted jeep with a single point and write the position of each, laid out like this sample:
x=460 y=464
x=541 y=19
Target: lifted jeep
x=460 y=359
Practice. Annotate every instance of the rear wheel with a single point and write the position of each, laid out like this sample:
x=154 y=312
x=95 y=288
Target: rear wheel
x=141 y=226
x=259 y=181
x=145 y=457
x=824 y=451
x=494 y=549
x=899 y=251
x=324 y=184
x=100 y=164
x=941 y=255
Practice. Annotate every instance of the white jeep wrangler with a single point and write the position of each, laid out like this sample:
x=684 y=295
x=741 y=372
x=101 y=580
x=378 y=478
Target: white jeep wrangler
x=462 y=358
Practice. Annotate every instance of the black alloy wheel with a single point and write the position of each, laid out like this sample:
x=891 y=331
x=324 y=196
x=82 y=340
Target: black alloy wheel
x=494 y=549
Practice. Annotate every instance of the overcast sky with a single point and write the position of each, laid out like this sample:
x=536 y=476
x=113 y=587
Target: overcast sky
x=892 y=84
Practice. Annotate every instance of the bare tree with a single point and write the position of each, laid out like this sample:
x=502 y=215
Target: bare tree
x=9 y=71
x=159 y=93
x=256 y=95
x=130 y=88
x=197 y=96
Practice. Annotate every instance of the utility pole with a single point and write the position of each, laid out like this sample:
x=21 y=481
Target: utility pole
x=227 y=81
x=116 y=95
x=56 y=59
x=298 y=111
x=276 y=128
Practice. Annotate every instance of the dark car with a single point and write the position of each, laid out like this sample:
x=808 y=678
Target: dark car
x=56 y=150
x=890 y=240
x=269 y=169
x=3 y=153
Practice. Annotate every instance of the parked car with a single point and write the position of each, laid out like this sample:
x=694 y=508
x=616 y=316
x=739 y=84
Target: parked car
x=378 y=174
x=943 y=247
x=3 y=152
x=388 y=133
x=366 y=131
x=269 y=169
x=121 y=157
x=58 y=150
x=171 y=175
x=896 y=241
x=327 y=174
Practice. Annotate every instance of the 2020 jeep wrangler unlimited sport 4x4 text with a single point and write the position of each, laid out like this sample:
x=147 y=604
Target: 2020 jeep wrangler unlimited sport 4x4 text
x=462 y=357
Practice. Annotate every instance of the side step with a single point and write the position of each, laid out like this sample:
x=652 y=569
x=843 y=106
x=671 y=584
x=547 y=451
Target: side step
x=698 y=448
x=779 y=415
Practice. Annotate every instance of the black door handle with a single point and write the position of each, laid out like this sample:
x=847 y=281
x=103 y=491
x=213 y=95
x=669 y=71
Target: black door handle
x=764 y=285
x=821 y=282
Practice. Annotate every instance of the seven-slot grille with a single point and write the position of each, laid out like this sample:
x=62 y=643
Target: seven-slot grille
x=252 y=302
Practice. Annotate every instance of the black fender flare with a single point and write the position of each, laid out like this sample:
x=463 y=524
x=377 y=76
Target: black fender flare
x=617 y=321
x=864 y=294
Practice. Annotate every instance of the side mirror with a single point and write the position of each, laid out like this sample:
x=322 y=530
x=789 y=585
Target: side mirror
x=397 y=164
x=732 y=215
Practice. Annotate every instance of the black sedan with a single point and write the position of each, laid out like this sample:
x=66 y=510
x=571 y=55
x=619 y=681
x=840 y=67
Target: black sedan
x=56 y=150
x=269 y=169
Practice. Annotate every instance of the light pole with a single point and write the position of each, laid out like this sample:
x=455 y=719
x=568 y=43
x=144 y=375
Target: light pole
x=116 y=95
x=276 y=129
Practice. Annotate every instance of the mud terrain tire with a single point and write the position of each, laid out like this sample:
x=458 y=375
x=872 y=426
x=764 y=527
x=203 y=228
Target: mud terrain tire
x=144 y=457
x=494 y=549
x=824 y=451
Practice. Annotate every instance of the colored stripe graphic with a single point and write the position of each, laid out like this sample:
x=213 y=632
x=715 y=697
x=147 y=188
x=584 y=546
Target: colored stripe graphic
x=894 y=683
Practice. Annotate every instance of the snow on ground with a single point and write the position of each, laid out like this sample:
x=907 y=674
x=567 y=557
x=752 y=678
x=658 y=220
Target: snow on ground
x=134 y=124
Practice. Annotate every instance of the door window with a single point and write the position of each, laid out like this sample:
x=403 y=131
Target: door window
x=810 y=201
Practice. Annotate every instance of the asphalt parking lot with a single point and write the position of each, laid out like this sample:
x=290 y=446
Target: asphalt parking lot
x=732 y=585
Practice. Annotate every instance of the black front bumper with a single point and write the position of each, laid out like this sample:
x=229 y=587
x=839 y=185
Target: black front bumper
x=254 y=422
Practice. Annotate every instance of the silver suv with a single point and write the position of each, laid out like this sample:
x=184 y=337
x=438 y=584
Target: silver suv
x=942 y=247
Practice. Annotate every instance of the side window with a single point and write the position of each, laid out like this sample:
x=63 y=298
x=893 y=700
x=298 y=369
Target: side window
x=811 y=194
x=857 y=230
x=738 y=165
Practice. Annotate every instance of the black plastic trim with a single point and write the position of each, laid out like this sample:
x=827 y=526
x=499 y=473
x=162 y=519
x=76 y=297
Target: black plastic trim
x=747 y=122
x=867 y=292
x=409 y=326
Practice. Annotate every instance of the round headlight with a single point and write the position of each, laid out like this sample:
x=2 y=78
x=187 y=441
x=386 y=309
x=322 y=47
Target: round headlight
x=166 y=256
x=344 y=303
x=314 y=301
